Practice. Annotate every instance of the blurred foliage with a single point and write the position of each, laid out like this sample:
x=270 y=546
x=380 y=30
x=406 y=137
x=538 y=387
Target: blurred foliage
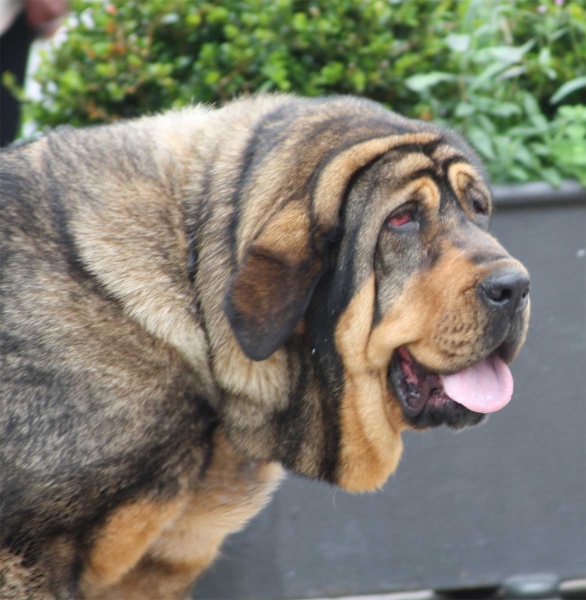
x=509 y=74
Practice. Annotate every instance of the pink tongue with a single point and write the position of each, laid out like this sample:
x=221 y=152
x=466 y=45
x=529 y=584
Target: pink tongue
x=484 y=387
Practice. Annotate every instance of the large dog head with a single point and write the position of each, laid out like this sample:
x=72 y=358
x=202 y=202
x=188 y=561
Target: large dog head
x=364 y=256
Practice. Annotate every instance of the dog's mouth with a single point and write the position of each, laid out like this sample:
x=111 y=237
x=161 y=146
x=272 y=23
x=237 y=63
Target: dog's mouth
x=455 y=399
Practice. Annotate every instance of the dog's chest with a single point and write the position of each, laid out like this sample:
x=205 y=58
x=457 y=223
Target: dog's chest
x=232 y=492
x=167 y=545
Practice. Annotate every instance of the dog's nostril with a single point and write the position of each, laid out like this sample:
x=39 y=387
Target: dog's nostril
x=494 y=291
x=505 y=288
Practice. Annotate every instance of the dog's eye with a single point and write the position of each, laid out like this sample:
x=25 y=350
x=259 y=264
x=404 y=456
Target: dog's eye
x=479 y=205
x=404 y=219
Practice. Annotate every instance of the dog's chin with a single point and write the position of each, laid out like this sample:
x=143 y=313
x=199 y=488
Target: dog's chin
x=422 y=397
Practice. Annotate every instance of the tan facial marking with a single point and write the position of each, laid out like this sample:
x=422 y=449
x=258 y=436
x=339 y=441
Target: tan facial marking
x=455 y=304
x=404 y=324
x=428 y=191
x=461 y=176
x=336 y=175
x=445 y=152
x=371 y=441
x=406 y=164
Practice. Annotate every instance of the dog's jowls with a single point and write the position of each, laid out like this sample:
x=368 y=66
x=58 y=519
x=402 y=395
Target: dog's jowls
x=195 y=300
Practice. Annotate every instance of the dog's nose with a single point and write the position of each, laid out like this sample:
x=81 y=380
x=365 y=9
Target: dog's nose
x=506 y=289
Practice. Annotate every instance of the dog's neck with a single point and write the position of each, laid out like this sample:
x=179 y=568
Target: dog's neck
x=175 y=288
x=184 y=253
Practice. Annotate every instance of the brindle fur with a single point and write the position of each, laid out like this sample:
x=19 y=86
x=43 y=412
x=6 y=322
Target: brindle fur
x=194 y=299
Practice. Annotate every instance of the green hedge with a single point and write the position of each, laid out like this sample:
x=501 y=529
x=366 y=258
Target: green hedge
x=510 y=74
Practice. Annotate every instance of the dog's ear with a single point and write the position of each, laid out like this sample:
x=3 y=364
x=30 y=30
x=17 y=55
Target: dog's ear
x=272 y=288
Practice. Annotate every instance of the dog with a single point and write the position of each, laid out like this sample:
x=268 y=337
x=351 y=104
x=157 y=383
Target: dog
x=196 y=301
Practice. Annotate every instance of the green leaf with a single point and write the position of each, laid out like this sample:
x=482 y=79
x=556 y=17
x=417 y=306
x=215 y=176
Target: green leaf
x=333 y=72
x=518 y=173
x=212 y=77
x=358 y=78
x=481 y=141
x=170 y=18
x=230 y=31
x=464 y=109
x=567 y=89
x=71 y=80
x=193 y=19
x=544 y=58
x=218 y=14
x=458 y=43
x=510 y=54
x=540 y=149
x=505 y=148
x=534 y=112
x=504 y=109
x=524 y=155
x=421 y=83
x=10 y=82
x=300 y=21
x=487 y=124
x=511 y=72
x=551 y=176
x=486 y=77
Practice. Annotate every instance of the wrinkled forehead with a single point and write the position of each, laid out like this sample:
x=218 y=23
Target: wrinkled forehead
x=448 y=167
x=437 y=174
